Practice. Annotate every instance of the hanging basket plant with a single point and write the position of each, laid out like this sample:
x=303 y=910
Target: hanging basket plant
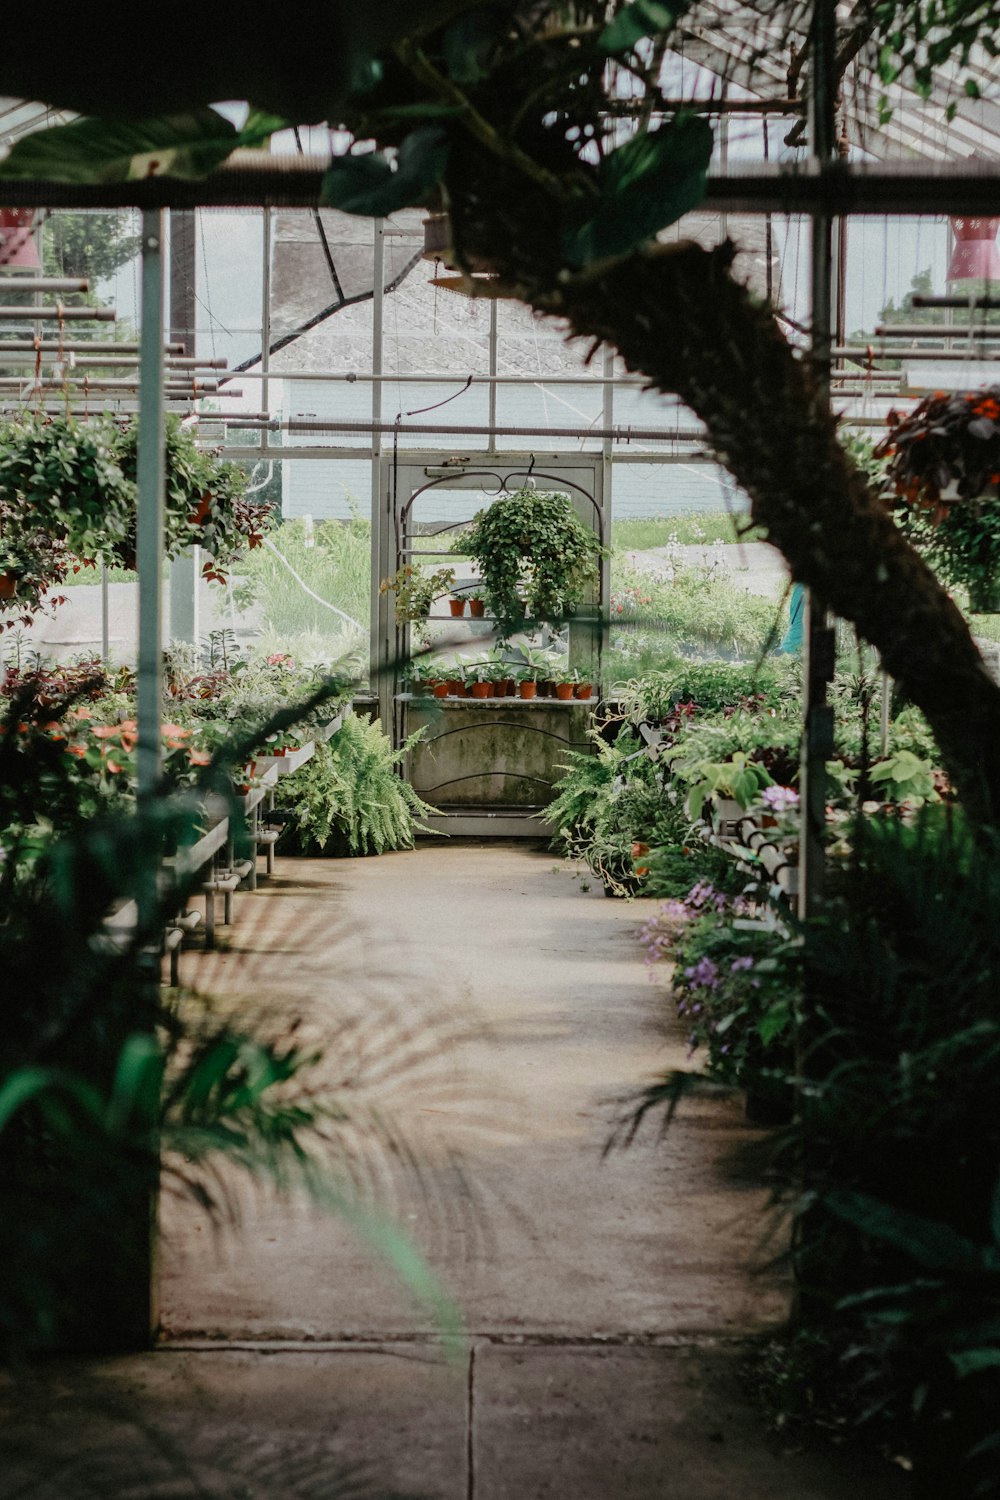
x=61 y=478
x=944 y=465
x=205 y=501
x=536 y=558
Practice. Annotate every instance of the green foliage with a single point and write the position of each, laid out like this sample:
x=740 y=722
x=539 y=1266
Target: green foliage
x=336 y=567
x=639 y=19
x=181 y=145
x=350 y=798
x=91 y=245
x=63 y=477
x=685 y=612
x=535 y=555
x=205 y=499
x=737 y=988
x=108 y=1083
x=919 y=37
x=690 y=528
x=739 y=778
x=643 y=186
x=416 y=590
x=368 y=184
x=709 y=685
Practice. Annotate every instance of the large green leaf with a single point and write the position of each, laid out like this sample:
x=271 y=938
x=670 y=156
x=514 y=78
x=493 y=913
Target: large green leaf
x=930 y=1244
x=467 y=44
x=187 y=145
x=641 y=18
x=369 y=185
x=645 y=185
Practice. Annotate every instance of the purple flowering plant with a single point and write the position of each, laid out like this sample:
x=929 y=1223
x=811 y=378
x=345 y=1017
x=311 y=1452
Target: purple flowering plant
x=736 y=988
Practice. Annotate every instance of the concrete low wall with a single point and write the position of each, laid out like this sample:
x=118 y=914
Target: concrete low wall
x=504 y=753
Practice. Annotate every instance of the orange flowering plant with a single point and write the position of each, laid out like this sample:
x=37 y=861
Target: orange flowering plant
x=944 y=466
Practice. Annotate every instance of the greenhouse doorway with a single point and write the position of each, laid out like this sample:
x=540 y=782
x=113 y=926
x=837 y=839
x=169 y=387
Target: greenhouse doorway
x=486 y=765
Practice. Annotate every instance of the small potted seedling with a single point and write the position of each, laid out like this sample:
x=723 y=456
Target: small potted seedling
x=566 y=684
x=527 y=687
x=457 y=605
x=477 y=604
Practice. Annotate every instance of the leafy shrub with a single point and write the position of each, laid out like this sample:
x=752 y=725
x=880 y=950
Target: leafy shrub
x=737 y=987
x=349 y=798
x=710 y=686
x=535 y=555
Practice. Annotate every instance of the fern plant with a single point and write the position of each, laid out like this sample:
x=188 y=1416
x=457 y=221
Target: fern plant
x=350 y=797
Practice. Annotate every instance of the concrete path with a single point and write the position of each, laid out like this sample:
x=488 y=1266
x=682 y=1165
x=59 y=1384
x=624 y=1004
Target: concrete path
x=604 y=1300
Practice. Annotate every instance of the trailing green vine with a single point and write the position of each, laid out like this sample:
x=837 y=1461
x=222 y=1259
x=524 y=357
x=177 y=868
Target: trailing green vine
x=535 y=555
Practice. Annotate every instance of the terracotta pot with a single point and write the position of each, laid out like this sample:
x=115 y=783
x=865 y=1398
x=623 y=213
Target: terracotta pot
x=481 y=689
x=505 y=687
x=8 y=585
x=453 y=687
x=583 y=690
x=564 y=691
x=546 y=687
x=457 y=607
x=527 y=689
x=477 y=608
x=440 y=690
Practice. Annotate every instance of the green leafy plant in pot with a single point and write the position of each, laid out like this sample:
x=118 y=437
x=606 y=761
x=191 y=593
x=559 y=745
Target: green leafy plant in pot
x=944 y=463
x=62 y=477
x=535 y=557
x=416 y=590
x=206 y=504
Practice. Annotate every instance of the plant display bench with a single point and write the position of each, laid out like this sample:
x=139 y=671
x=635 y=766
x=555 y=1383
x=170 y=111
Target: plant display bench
x=489 y=765
x=202 y=860
x=270 y=768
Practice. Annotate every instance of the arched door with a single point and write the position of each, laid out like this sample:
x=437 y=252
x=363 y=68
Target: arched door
x=487 y=766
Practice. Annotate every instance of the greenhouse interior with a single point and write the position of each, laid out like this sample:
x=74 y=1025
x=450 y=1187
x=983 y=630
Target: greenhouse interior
x=528 y=469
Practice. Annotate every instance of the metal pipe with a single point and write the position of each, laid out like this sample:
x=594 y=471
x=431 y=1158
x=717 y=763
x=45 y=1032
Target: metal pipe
x=618 y=434
x=353 y=377
x=105 y=616
x=54 y=383
x=78 y=346
x=60 y=314
x=15 y=283
x=938 y=330
x=265 y=310
x=978 y=304
x=103 y=361
x=150 y=480
x=862 y=356
x=817 y=655
x=252 y=178
x=490 y=459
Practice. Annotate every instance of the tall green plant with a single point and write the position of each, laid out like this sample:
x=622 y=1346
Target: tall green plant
x=350 y=798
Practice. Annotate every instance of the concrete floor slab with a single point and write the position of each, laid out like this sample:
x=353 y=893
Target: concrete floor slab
x=633 y=1424
x=350 y=1425
x=550 y=1016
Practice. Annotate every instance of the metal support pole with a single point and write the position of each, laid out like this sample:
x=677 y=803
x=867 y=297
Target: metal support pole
x=379 y=647
x=493 y=374
x=105 y=616
x=820 y=645
x=184 y=571
x=150 y=473
x=265 y=319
